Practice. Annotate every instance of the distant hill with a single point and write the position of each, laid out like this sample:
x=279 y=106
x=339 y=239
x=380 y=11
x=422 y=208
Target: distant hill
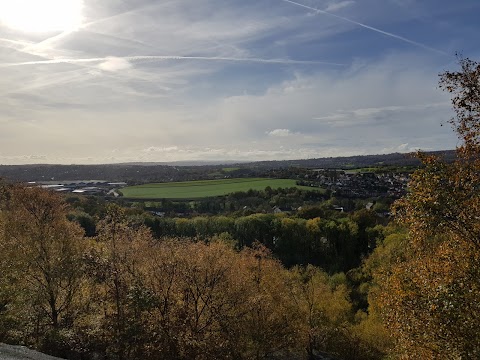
x=187 y=163
x=148 y=172
x=354 y=162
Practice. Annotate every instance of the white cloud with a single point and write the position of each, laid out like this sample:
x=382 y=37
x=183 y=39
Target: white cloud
x=378 y=104
x=279 y=133
x=155 y=149
x=368 y=109
x=402 y=148
x=356 y=117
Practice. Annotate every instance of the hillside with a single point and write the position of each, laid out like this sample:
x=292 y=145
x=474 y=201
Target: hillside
x=134 y=173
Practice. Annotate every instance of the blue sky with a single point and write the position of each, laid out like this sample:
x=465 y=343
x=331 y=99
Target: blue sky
x=159 y=80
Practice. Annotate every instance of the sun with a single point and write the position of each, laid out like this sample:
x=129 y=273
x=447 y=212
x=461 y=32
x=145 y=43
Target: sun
x=41 y=15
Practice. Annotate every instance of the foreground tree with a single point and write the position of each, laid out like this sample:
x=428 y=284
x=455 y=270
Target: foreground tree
x=40 y=255
x=325 y=309
x=212 y=302
x=113 y=325
x=430 y=297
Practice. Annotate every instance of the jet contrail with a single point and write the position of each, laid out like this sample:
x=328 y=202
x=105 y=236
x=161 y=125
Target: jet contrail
x=398 y=37
x=169 y=57
x=14 y=42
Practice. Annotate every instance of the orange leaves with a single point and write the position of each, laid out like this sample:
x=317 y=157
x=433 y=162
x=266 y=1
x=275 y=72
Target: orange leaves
x=465 y=89
x=44 y=252
x=429 y=300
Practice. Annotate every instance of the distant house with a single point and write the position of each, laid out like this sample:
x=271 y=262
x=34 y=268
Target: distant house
x=88 y=190
x=118 y=184
x=61 y=189
x=282 y=209
x=51 y=187
x=113 y=192
x=78 y=191
x=158 y=213
x=55 y=187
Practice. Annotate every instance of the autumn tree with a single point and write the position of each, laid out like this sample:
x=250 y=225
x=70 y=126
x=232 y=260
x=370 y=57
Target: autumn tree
x=10 y=277
x=209 y=301
x=325 y=309
x=116 y=292
x=271 y=319
x=41 y=256
x=430 y=298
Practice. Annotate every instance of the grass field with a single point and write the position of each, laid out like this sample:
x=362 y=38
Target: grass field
x=206 y=188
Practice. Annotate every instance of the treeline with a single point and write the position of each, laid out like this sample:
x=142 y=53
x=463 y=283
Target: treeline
x=125 y=295
x=257 y=201
x=313 y=234
x=334 y=245
x=242 y=202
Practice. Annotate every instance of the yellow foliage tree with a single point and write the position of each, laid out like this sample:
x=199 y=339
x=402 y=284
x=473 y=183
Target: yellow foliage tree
x=41 y=255
x=430 y=298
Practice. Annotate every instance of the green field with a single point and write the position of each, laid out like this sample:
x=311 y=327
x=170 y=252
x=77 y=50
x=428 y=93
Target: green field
x=205 y=188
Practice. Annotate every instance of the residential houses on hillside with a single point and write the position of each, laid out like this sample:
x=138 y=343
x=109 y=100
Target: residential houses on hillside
x=354 y=184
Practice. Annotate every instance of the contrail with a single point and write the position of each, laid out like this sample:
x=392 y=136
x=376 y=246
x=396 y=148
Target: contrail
x=14 y=42
x=398 y=37
x=169 y=57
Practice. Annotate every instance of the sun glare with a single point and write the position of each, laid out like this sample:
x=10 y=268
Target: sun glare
x=41 y=15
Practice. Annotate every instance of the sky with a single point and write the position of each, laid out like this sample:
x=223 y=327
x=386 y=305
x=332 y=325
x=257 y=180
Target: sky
x=112 y=81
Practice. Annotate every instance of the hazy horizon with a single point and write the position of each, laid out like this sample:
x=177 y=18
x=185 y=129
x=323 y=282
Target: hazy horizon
x=88 y=82
x=212 y=162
